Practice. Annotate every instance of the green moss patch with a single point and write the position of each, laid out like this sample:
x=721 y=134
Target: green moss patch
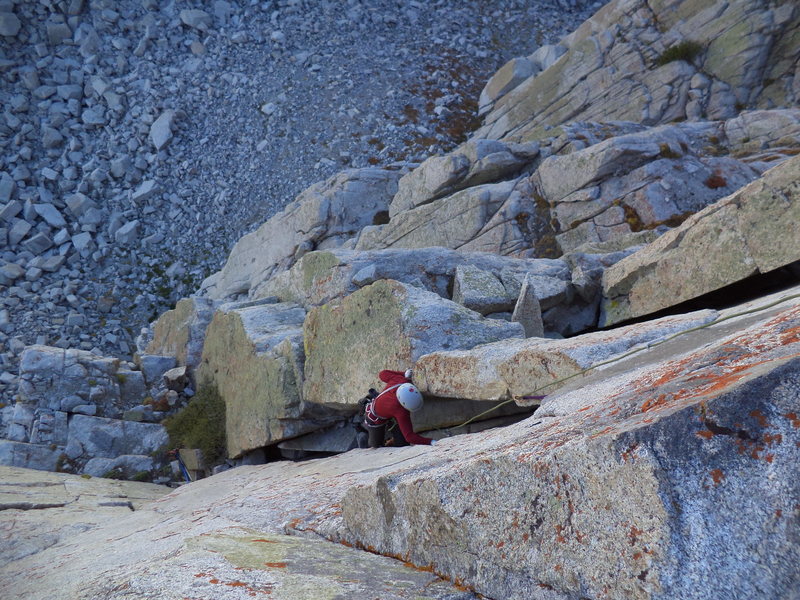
x=686 y=51
x=200 y=424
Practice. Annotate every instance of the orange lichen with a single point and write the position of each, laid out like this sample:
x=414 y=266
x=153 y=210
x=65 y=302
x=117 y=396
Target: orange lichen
x=717 y=475
x=275 y=565
x=759 y=416
x=705 y=434
x=793 y=418
x=265 y=541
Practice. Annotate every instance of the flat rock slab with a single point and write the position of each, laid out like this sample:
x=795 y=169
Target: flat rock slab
x=525 y=369
x=212 y=556
x=40 y=508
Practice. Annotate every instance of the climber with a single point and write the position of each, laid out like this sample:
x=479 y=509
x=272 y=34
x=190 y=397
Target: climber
x=397 y=401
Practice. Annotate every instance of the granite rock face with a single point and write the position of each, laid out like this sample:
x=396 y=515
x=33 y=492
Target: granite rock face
x=179 y=332
x=655 y=63
x=522 y=370
x=746 y=233
x=384 y=325
x=693 y=425
x=253 y=354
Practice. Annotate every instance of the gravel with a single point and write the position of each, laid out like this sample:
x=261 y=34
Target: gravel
x=140 y=138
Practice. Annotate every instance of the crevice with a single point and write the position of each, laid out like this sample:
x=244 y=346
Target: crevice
x=31 y=505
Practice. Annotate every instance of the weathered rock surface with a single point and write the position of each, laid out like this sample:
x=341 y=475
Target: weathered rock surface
x=694 y=426
x=52 y=378
x=569 y=300
x=253 y=354
x=473 y=163
x=522 y=369
x=39 y=509
x=323 y=216
x=751 y=231
x=384 y=325
x=179 y=332
x=618 y=67
x=219 y=557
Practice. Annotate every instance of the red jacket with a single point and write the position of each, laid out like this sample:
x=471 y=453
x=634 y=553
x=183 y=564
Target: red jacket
x=387 y=406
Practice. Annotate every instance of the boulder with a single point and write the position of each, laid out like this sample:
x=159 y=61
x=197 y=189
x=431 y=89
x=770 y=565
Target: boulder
x=386 y=325
x=179 y=332
x=50 y=375
x=475 y=162
x=161 y=129
x=739 y=236
x=481 y=218
x=506 y=79
x=154 y=366
x=528 y=310
x=41 y=457
x=111 y=438
x=253 y=354
x=524 y=370
x=480 y=291
x=120 y=467
x=323 y=216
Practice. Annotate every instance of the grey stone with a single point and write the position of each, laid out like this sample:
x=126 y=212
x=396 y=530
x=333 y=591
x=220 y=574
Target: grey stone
x=51 y=215
x=154 y=366
x=528 y=311
x=38 y=244
x=161 y=129
x=11 y=209
x=126 y=466
x=28 y=456
x=57 y=33
x=51 y=138
x=82 y=241
x=128 y=233
x=19 y=229
x=10 y=272
x=110 y=438
x=79 y=204
x=9 y=24
x=145 y=191
x=480 y=291
x=7 y=187
x=199 y=19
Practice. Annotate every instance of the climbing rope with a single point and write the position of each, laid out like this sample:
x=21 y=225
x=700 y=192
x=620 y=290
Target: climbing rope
x=533 y=395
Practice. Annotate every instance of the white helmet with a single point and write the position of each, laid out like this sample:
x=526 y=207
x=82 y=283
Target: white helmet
x=409 y=397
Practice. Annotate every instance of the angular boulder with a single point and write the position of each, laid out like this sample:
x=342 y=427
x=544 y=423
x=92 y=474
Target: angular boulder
x=492 y=217
x=739 y=236
x=523 y=370
x=253 y=354
x=50 y=377
x=475 y=162
x=386 y=325
x=179 y=332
